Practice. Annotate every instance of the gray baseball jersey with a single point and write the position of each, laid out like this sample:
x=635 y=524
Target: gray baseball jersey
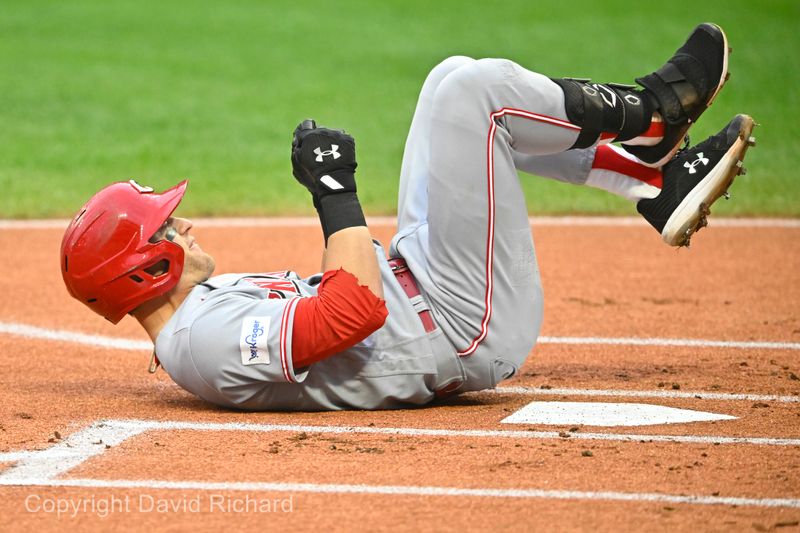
x=463 y=230
x=230 y=343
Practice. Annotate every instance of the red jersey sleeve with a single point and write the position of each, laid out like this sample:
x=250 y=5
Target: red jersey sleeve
x=342 y=314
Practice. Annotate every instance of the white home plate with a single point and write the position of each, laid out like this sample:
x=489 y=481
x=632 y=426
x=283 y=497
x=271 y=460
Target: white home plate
x=607 y=414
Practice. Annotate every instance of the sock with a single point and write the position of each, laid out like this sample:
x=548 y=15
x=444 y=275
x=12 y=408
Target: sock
x=651 y=137
x=618 y=172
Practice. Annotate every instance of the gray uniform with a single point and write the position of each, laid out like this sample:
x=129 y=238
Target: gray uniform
x=463 y=230
x=230 y=343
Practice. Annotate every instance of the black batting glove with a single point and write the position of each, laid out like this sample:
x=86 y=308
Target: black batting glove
x=324 y=160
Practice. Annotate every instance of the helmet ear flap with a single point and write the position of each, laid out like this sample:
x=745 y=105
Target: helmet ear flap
x=164 y=264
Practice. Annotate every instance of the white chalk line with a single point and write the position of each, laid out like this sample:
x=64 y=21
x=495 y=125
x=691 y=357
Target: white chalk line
x=33 y=332
x=94 y=439
x=539 y=221
x=13 y=457
x=70 y=452
x=25 y=330
x=406 y=490
x=429 y=432
x=662 y=394
x=41 y=468
x=695 y=343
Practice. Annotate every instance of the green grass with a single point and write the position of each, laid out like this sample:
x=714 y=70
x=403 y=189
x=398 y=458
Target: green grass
x=99 y=91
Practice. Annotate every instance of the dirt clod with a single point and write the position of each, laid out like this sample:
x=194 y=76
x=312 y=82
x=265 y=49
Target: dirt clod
x=368 y=450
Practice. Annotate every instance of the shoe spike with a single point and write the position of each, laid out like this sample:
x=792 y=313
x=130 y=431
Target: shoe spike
x=727 y=195
x=751 y=141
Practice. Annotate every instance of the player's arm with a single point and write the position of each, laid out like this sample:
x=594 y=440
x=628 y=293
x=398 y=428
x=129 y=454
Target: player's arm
x=348 y=306
x=324 y=161
x=351 y=249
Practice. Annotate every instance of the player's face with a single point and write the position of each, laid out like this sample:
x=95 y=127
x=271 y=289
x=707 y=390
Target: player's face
x=197 y=264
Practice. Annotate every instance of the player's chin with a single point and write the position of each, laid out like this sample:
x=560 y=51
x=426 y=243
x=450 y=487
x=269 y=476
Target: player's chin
x=199 y=262
x=211 y=264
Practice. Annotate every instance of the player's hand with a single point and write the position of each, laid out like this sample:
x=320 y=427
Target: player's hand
x=323 y=160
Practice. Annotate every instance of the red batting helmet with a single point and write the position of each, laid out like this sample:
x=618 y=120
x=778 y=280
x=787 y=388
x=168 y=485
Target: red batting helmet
x=106 y=253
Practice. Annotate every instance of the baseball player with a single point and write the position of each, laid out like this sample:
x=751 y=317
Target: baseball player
x=458 y=306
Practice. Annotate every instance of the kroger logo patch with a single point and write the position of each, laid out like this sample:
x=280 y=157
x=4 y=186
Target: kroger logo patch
x=253 y=340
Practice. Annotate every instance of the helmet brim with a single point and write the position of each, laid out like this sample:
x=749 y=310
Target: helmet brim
x=166 y=204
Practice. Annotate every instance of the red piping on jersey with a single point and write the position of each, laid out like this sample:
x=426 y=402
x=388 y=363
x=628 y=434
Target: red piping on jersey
x=283 y=336
x=490 y=190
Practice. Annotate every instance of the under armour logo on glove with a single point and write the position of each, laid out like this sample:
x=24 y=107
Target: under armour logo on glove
x=334 y=151
x=700 y=159
x=323 y=160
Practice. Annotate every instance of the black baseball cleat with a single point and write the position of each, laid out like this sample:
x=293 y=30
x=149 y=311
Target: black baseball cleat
x=683 y=88
x=694 y=179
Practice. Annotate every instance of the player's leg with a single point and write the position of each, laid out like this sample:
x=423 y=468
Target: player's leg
x=651 y=123
x=473 y=256
x=676 y=198
x=412 y=204
x=605 y=167
x=679 y=92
